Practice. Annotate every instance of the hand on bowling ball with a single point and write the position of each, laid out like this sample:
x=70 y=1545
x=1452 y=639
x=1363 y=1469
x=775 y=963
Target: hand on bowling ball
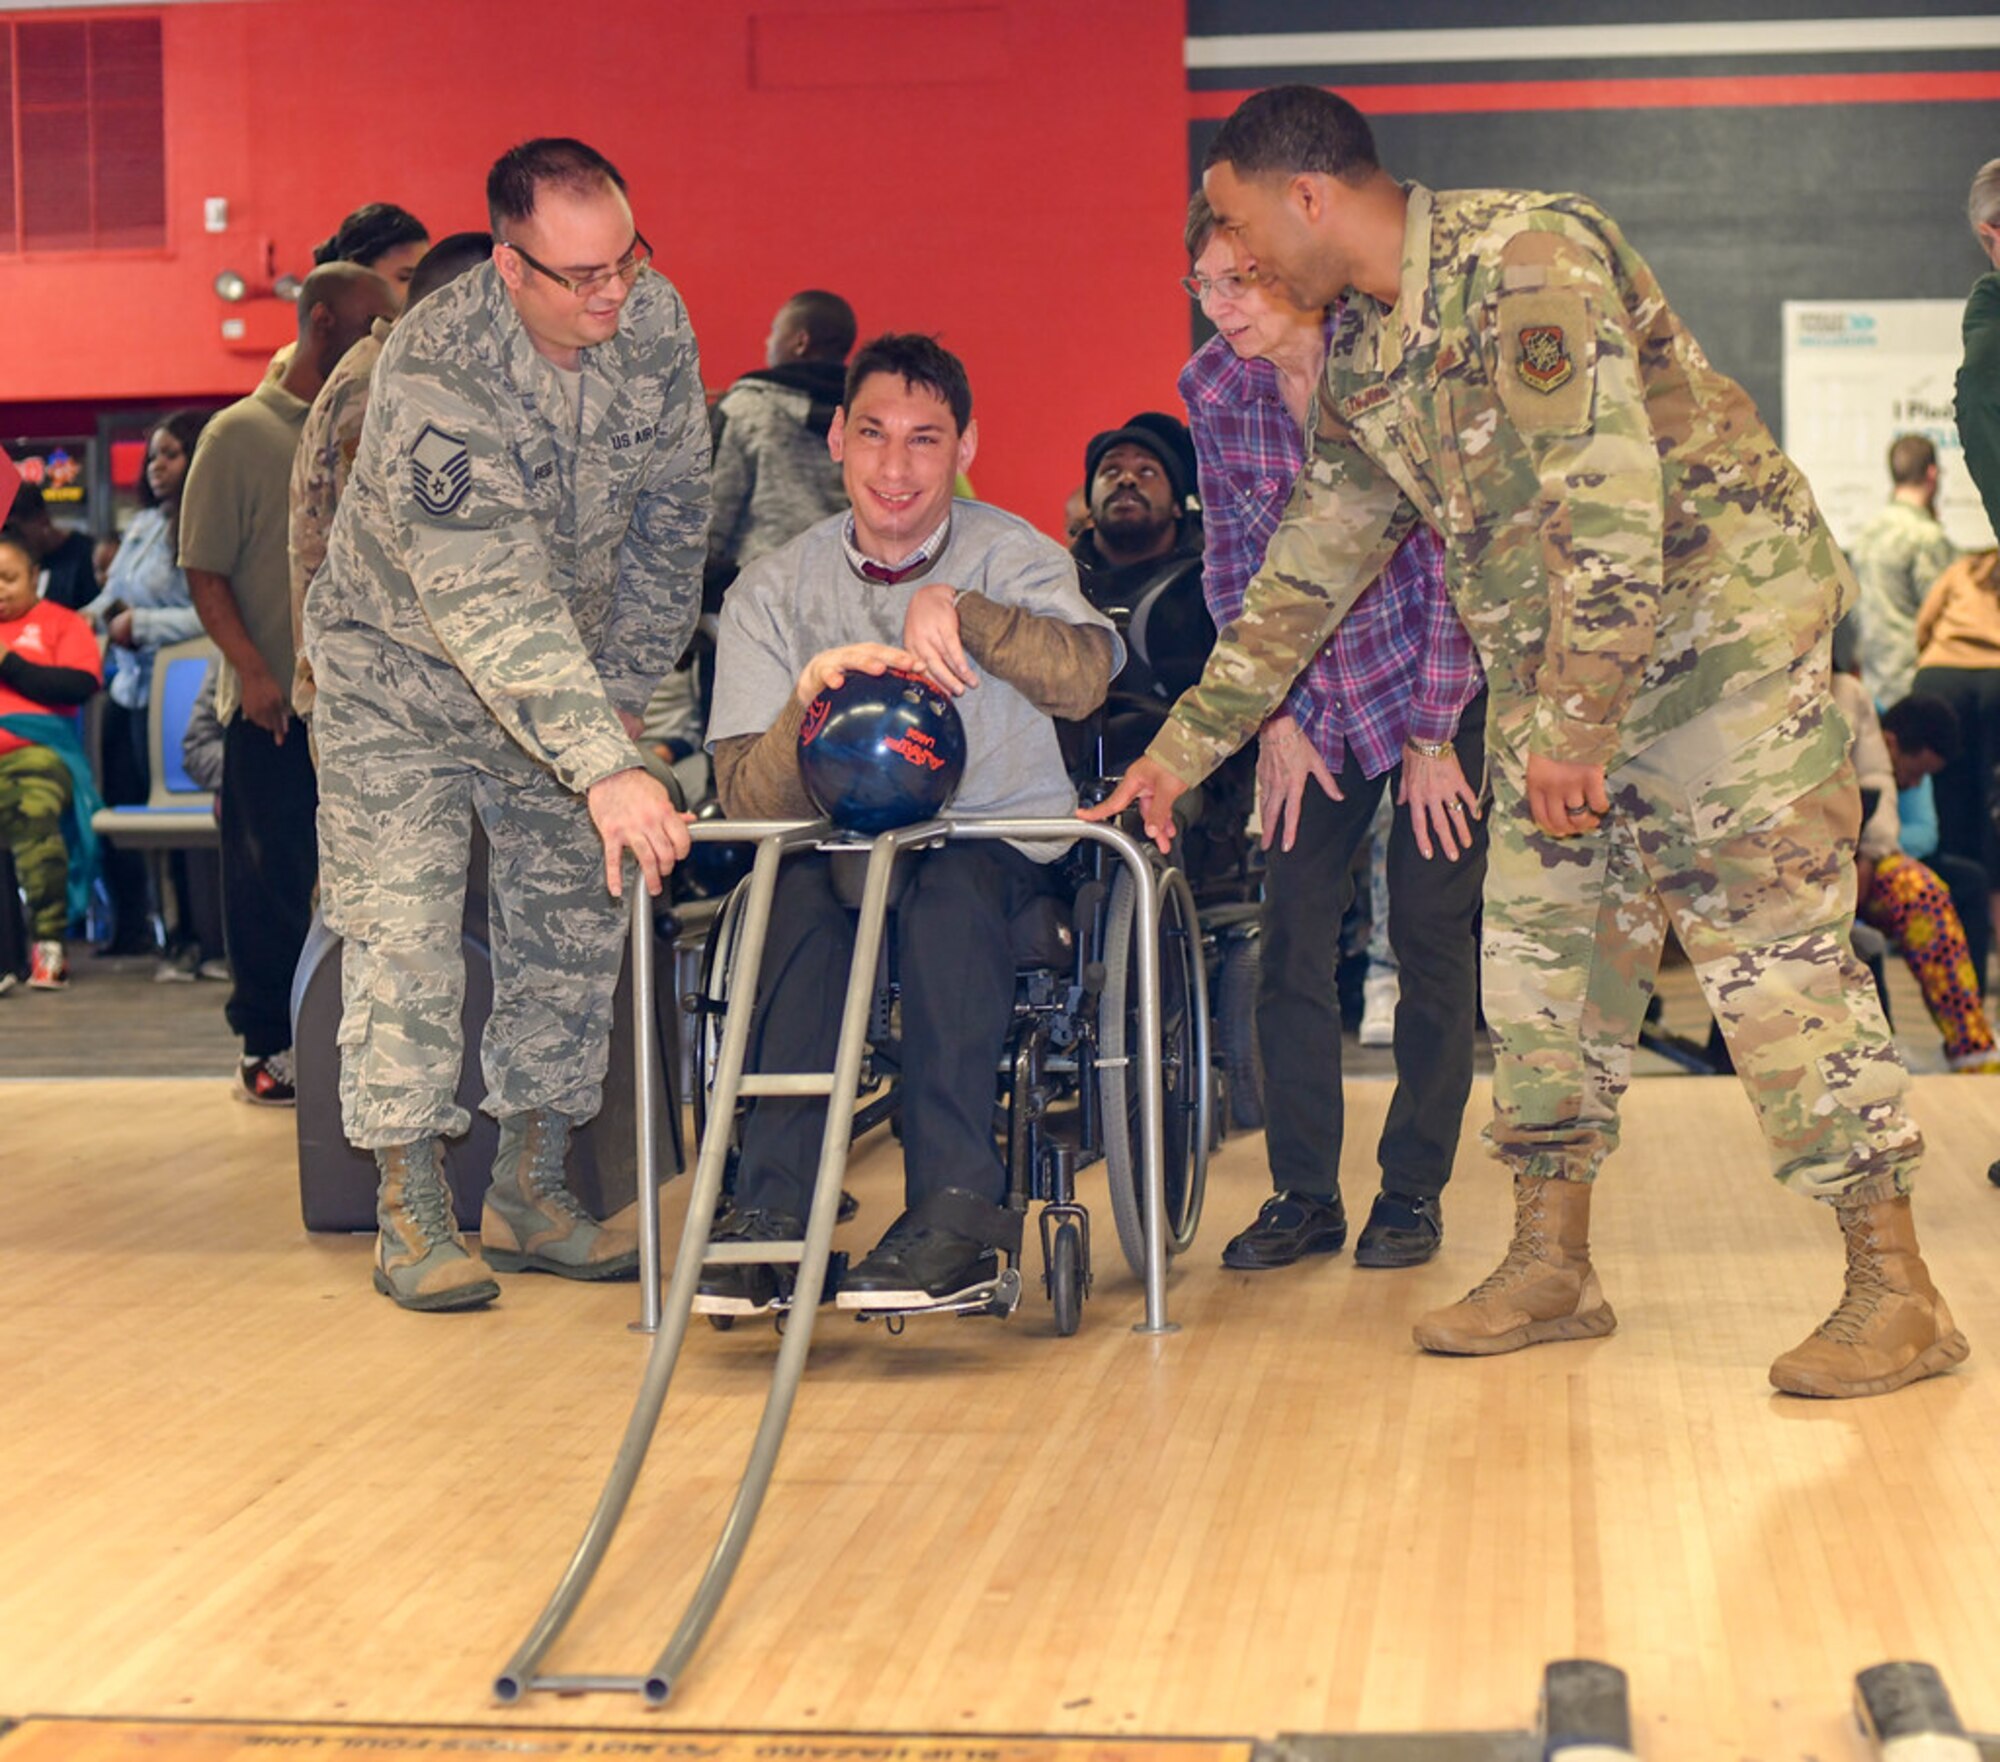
x=830 y=667
x=631 y=811
x=930 y=632
x=1153 y=787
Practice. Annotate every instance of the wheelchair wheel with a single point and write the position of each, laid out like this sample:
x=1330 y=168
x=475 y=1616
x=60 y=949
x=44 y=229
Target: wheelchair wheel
x=711 y=997
x=1066 y=1277
x=1182 y=1052
x=1236 y=1029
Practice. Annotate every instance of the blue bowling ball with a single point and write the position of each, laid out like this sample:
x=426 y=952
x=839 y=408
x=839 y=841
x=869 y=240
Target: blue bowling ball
x=881 y=750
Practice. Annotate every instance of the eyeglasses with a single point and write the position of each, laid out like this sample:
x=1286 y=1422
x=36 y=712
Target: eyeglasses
x=626 y=269
x=1230 y=287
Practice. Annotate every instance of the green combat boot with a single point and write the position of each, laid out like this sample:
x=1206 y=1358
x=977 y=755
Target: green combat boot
x=420 y=1260
x=532 y=1222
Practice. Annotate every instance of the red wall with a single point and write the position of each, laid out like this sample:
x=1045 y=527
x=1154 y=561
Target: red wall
x=1008 y=173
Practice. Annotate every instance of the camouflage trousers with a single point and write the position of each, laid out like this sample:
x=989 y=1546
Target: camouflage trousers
x=407 y=756
x=1737 y=829
x=34 y=790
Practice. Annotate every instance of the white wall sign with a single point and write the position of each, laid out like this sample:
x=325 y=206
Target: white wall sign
x=1856 y=377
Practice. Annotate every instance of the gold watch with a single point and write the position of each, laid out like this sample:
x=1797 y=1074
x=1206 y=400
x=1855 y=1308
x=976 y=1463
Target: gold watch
x=1430 y=749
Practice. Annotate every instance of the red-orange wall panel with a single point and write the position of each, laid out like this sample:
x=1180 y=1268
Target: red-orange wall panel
x=1024 y=199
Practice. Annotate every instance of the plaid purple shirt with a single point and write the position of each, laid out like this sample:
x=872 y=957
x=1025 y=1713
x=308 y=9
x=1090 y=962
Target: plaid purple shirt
x=1401 y=665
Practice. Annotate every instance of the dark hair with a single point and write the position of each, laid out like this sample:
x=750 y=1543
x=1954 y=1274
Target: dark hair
x=28 y=504
x=446 y=261
x=522 y=171
x=10 y=534
x=1910 y=458
x=185 y=426
x=1924 y=725
x=369 y=234
x=1296 y=128
x=828 y=322
x=922 y=363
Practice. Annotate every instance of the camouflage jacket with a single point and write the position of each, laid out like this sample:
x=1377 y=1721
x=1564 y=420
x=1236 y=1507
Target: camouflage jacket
x=1624 y=541
x=1896 y=557
x=555 y=563
x=320 y=469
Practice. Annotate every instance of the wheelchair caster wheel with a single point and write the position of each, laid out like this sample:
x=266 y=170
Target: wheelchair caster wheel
x=1066 y=1277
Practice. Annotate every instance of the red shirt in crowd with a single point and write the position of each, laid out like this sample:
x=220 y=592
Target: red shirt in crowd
x=48 y=636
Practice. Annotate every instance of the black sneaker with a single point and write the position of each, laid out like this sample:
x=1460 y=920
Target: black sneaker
x=916 y=1265
x=1291 y=1226
x=749 y=1287
x=1401 y=1231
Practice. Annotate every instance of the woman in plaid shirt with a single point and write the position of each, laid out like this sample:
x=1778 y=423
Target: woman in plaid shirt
x=1396 y=695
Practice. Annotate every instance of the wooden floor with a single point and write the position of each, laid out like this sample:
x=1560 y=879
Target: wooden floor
x=237 y=1483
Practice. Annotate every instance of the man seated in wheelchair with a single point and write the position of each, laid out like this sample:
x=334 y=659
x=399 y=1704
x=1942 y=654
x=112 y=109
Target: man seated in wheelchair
x=1139 y=561
x=989 y=608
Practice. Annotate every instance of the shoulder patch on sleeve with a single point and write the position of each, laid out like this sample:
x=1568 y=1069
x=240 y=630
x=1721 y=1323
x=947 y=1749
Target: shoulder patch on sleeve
x=1547 y=360
x=440 y=470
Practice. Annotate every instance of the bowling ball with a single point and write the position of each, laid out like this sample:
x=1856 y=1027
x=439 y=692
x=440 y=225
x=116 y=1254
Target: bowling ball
x=881 y=750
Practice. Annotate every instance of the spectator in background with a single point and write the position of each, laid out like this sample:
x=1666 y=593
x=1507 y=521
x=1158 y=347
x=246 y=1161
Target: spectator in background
x=379 y=236
x=62 y=558
x=1921 y=734
x=1978 y=404
x=1142 y=547
x=1958 y=660
x=1905 y=901
x=1897 y=557
x=332 y=436
x=773 y=475
x=48 y=669
x=233 y=547
x=1139 y=561
x=144 y=606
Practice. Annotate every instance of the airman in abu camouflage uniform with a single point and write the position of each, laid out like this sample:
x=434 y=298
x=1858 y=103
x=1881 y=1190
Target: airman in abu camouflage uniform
x=515 y=564
x=1652 y=591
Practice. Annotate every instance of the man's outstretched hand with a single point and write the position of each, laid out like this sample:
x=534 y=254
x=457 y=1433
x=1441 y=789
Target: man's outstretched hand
x=632 y=811
x=1154 y=788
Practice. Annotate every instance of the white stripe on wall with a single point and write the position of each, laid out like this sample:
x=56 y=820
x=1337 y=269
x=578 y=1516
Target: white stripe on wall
x=1580 y=42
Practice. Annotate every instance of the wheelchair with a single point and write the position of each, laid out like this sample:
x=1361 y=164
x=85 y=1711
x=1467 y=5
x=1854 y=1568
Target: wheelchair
x=1067 y=1093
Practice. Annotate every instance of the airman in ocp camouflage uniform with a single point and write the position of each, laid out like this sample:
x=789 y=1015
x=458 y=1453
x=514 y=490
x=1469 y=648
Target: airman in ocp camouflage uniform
x=514 y=565
x=1652 y=591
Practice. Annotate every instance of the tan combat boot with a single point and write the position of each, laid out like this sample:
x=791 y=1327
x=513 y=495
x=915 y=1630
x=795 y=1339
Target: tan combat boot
x=1544 y=1290
x=532 y=1222
x=420 y=1260
x=1891 y=1328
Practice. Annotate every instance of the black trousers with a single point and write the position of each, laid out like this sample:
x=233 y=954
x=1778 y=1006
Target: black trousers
x=1968 y=789
x=955 y=965
x=270 y=862
x=1433 y=906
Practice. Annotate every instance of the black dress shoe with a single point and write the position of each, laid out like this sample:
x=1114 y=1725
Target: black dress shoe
x=1400 y=1231
x=1291 y=1226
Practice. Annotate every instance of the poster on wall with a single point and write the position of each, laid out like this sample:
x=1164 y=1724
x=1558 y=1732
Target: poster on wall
x=60 y=470
x=1857 y=375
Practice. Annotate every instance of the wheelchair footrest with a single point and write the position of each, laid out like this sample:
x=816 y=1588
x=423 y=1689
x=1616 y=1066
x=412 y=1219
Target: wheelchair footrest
x=1000 y=1297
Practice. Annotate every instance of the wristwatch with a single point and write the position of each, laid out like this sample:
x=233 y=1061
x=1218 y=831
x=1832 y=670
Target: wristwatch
x=1429 y=749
